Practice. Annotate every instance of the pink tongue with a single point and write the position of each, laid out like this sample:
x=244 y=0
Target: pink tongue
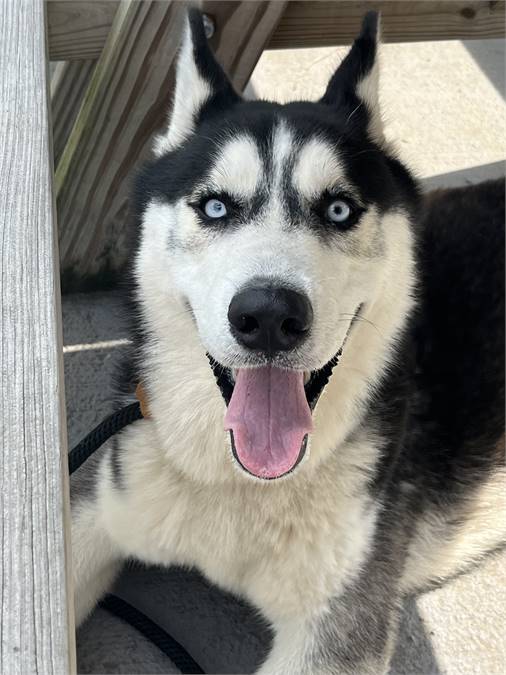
x=269 y=416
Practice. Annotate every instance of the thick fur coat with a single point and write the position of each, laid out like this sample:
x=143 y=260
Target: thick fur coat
x=399 y=481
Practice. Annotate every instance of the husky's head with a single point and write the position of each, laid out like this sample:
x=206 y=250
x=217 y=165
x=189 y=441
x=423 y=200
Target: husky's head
x=275 y=242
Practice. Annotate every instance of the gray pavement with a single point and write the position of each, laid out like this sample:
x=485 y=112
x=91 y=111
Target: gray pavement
x=444 y=103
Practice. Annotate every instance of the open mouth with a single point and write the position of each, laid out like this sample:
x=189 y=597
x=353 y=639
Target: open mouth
x=314 y=382
x=269 y=412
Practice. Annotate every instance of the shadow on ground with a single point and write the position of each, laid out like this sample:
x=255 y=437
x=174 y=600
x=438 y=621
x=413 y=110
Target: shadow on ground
x=490 y=57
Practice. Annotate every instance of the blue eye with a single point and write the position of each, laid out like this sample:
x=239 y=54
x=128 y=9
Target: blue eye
x=338 y=211
x=213 y=208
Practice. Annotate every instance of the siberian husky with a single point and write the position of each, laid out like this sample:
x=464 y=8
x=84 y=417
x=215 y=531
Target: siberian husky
x=322 y=355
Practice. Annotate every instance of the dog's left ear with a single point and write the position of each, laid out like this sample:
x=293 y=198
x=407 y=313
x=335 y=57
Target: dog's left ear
x=202 y=88
x=355 y=84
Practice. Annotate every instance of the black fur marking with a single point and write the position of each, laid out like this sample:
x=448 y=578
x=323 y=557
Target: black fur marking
x=319 y=380
x=115 y=464
x=83 y=483
x=223 y=94
x=357 y=64
x=370 y=604
x=378 y=178
x=320 y=209
x=341 y=92
x=442 y=404
x=223 y=379
x=239 y=212
x=460 y=337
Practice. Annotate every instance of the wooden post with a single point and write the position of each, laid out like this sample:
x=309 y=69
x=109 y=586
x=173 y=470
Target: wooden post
x=36 y=623
x=68 y=86
x=126 y=103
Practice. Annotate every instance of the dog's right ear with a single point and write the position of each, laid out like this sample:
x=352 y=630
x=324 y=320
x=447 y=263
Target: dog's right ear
x=201 y=86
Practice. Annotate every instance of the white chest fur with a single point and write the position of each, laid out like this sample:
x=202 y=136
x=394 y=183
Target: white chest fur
x=286 y=545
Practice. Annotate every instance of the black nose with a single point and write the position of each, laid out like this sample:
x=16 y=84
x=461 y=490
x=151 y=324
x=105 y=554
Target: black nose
x=270 y=319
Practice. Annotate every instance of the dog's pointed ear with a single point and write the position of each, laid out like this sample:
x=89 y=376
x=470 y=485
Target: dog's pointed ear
x=355 y=84
x=201 y=85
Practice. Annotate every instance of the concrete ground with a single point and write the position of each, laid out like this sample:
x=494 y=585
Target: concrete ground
x=444 y=105
x=442 y=102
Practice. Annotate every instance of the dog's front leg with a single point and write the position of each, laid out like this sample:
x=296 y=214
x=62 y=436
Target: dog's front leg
x=95 y=559
x=341 y=640
x=290 y=652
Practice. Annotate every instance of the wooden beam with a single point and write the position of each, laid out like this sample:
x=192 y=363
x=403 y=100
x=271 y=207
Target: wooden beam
x=243 y=30
x=127 y=101
x=37 y=631
x=321 y=24
x=78 y=28
x=69 y=83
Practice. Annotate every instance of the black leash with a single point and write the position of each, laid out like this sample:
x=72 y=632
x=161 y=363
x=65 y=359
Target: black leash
x=152 y=632
x=102 y=432
x=111 y=603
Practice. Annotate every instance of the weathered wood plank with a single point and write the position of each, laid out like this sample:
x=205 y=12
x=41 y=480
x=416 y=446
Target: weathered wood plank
x=243 y=30
x=306 y=23
x=78 y=28
x=69 y=83
x=36 y=625
x=127 y=101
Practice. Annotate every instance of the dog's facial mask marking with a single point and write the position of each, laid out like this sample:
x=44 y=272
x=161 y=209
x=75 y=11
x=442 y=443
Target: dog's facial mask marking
x=272 y=202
